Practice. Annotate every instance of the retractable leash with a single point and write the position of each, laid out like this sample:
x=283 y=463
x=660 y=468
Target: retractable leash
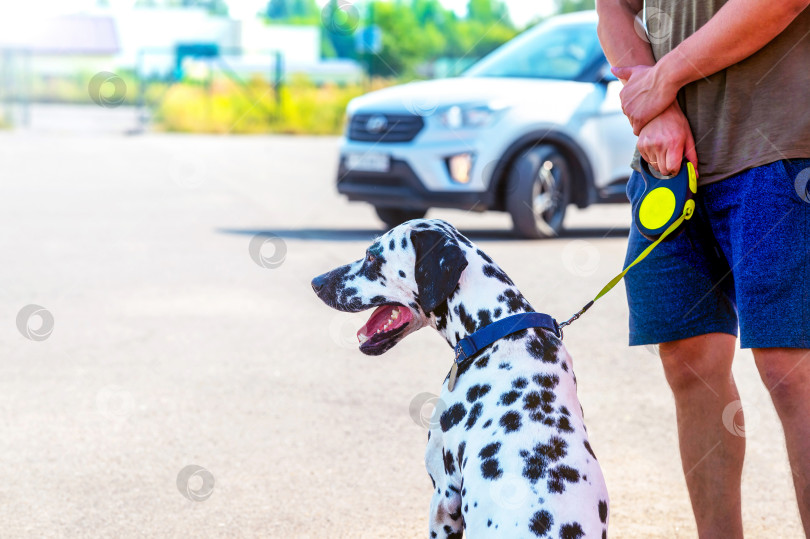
x=664 y=206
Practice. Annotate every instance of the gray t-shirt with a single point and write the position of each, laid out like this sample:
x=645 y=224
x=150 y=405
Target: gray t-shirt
x=752 y=113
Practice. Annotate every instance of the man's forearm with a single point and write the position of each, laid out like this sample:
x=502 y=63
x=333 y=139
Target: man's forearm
x=738 y=30
x=617 y=34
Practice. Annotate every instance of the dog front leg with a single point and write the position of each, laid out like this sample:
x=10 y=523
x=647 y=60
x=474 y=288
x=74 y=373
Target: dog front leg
x=446 y=521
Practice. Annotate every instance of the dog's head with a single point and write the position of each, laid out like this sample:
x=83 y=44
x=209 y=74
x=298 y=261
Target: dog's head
x=406 y=274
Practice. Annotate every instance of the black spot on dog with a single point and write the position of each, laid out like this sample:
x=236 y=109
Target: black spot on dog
x=505 y=366
x=547 y=396
x=477 y=391
x=571 y=531
x=497 y=312
x=541 y=350
x=347 y=293
x=441 y=314
x=484 y=319
x=487 y=423
x=402 y=274
x=483 y=255
x=496 y=272
x=509 y=397
x=452 y=416
x=564 y=411
x=603 y=511
x=461 y=447
x=538 y=417
x=510 y=421
x=536 y=463
x=404 y=243
x=517 y=335
x=548 y=381
x=449 y=464
x=564 y=425
x=475 y=413
x=514 y=301
x=372 y=270
x=481 y=362
x=532 y=400
x=541 y=523
x=559 y=476
x=588 y=448
x=520 y=383
x=489 y=521
x=466 y=320
x=391 y=245
x=490 y=450
x=490 y=469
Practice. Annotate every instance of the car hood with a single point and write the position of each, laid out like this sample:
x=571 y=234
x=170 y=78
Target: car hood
x=426 y=97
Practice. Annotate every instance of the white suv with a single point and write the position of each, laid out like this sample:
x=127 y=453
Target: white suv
x=534 y=126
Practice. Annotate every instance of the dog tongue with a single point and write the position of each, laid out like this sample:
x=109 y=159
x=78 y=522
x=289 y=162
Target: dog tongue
x=380 y=317
x=376 y=321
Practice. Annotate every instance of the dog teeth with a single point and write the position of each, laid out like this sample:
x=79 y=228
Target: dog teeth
x=362 y=338
x=394 y=315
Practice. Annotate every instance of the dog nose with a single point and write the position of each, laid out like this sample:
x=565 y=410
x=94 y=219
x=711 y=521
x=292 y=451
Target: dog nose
x=318 y=283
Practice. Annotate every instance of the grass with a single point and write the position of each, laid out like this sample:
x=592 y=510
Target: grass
x=225 y=107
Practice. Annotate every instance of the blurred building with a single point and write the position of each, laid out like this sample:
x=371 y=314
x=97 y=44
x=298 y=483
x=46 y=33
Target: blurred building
x=110 y=40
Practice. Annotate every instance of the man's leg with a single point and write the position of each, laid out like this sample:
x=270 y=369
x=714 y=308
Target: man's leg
x=698 y=370
x=786 y=374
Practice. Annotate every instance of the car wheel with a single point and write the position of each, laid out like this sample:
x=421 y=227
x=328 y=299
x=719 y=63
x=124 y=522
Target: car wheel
x=396 y=216
x=538 y=192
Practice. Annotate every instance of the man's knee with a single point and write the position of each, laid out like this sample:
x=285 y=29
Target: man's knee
x=697 y=363
x=786 y=375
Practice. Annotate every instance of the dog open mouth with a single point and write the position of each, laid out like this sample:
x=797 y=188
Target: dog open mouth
x=384 y=325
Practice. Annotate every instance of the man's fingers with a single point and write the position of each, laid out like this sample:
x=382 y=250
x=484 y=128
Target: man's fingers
x=674 y=159
x=691 y=152
x=622 y=73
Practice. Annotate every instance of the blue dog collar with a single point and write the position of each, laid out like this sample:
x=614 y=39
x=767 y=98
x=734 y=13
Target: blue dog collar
x=472 y=344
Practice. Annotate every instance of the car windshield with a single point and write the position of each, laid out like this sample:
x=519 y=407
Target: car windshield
x=555 y=51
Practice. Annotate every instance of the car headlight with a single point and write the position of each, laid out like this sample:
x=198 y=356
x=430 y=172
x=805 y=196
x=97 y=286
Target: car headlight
x=461 y=117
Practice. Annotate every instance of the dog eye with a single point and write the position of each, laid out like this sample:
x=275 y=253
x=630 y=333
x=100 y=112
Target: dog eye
x=370 y=258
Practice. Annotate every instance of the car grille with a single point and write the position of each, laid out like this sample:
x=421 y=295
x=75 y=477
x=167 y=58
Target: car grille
x=389 y=127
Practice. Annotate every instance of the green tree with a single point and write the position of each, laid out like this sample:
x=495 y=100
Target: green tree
x=569 y=6
x=487 y=11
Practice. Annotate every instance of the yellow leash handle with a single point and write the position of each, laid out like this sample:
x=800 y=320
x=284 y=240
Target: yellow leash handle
x=688 y=211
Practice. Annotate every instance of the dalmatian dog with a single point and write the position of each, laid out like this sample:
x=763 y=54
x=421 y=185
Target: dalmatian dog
x=509 y=456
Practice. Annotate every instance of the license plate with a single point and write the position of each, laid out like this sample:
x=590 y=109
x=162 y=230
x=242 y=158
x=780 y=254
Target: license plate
x=368 y=162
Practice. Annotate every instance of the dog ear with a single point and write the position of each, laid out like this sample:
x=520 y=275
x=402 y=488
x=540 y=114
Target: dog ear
x=439 y=264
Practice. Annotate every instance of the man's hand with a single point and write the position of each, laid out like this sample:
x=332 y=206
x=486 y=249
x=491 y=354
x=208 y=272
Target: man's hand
x=645 y=94
x=665 y=140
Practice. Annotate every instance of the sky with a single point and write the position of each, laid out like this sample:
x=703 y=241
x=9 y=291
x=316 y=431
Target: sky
x=522 y=11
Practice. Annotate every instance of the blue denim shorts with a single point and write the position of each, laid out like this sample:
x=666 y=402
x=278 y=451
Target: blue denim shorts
x=742 y=262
